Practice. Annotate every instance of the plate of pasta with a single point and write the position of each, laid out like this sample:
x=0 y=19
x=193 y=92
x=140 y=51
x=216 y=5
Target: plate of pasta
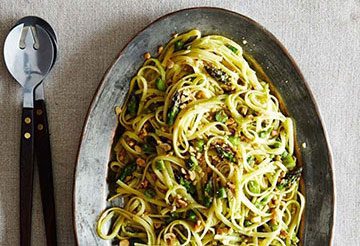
x=203 y=134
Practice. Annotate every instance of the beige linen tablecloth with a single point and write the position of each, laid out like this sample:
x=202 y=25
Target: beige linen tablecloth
x=322 y=35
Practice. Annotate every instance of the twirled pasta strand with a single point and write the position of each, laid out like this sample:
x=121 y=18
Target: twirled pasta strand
x=206 y=156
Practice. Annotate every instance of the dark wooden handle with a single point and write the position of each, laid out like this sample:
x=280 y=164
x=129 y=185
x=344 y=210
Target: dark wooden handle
x=26 y=175
x=43 y=158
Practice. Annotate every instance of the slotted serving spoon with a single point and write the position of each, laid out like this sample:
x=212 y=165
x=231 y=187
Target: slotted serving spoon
x=42 y=142
x=29 y=55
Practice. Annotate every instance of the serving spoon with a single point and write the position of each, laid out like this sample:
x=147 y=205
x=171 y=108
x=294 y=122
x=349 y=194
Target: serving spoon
x=42 y=142
x=29 y=55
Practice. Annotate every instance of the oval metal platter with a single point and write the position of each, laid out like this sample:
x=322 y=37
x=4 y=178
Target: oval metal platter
x=91 y=187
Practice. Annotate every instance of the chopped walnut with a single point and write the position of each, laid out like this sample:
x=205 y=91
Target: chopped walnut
x=124 y=242
x=143 y=132
x=165 y=146
x=170 y=64
x=272 y=205
x=131 y=142
x=121 y=155
x=144 y=184
x=160 y=49
x=283 y=234
x=231 y=186
x=192 y=175
x=222 y=230
x=273 y=214
x=274 y=133
x=197 y=226
x=181 y=203
x=216 y=158
x=183 y=171
x=147 y=55
x=137 y=148
x=282 y=174
x=230 y=121
x=191 y=149
x=140 y=162
x=200 y=95
x=170 y=238
x=157 y=225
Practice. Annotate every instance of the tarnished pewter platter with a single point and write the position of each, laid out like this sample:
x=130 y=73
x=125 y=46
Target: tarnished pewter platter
x=91 y=187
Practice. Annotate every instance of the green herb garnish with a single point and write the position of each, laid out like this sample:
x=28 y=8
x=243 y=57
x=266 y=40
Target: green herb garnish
x=191 y=215
x=178 y=45
x=174 y=109
x=132 y=106
x=209 y=190
x=254 y=187
x=276 y=145
x=148 y=149
x=225 y=154
x=208 y=201
x=250 y=159
x=221 y=193
x=234 y=140
x=221 y=116
x=247 y=223
x=160 y=84
x=188 y=186
x=192 y=163
x=127 y=171
x=232 y=48
x=199 y=145
x=289 y=162
x=262 y=134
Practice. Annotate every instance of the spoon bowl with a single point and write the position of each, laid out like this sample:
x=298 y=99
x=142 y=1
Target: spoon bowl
x=29 y=56
x=34 y=20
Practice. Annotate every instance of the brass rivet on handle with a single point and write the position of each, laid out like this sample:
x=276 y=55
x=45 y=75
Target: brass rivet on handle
x=27 y=120
x=39 y=112
x=40 y=127
x=27 y=135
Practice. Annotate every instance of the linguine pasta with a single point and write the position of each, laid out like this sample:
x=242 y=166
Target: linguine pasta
x=205 y=157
